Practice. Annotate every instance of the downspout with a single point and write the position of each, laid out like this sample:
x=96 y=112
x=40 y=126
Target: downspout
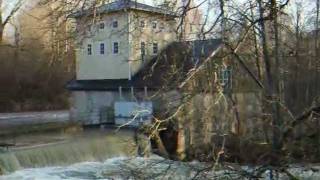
x=129 y=74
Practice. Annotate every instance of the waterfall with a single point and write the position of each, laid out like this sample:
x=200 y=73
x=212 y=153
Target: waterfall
x=73 y=150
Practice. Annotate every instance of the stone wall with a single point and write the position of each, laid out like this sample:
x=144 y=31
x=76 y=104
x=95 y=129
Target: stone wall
x=208 y=116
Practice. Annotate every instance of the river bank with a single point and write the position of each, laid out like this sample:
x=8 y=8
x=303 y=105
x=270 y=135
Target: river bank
x=27 y=122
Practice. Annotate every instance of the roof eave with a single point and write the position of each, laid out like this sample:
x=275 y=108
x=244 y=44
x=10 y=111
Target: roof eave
x=80 y=15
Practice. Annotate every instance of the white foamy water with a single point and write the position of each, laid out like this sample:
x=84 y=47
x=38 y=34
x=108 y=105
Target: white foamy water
x=113 y=168
x=153 y=167
x=108 y=155
x=85 y=170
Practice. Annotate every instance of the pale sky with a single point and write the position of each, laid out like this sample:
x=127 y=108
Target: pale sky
x=7 y=7
x=307 y=7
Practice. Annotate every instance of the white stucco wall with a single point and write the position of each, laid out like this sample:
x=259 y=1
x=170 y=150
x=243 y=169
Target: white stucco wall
x=164 y=34
x=129 y=35
x=108 y=65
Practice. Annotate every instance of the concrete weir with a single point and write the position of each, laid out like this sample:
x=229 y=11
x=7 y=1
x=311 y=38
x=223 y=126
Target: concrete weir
x=57 y=149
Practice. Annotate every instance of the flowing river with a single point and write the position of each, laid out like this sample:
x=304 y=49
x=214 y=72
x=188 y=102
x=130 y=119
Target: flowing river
x=106 y=154
x=91 y=154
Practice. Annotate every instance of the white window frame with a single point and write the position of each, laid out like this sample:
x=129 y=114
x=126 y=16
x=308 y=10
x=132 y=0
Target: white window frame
x=115 y=21
x=102 y=27
x=100 y=48
x=113 y=45
x=89 y=49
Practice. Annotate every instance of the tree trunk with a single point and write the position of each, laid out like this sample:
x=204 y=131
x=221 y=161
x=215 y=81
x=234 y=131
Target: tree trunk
x=1 y=32
x=277 y=122
x=316 y=45
x=297 y=54
x=270 y=90
x=256 y=48
x=317 y=61
x=1 y=24
x=223 y=21
x=181 y=144
x=317 y=30
x=265 y=46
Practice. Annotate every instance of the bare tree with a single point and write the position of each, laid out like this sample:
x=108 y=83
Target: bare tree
x=5 y=19
x=316 y=41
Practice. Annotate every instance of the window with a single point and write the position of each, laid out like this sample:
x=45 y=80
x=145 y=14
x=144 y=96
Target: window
x=154 y=24
x=115 y=48
x=101 y=48
x=89 y=49
x=155 y=48
x=101 y=25
x=115 y=24
x=226 y=77
x=142 y=23
x=143 y=50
